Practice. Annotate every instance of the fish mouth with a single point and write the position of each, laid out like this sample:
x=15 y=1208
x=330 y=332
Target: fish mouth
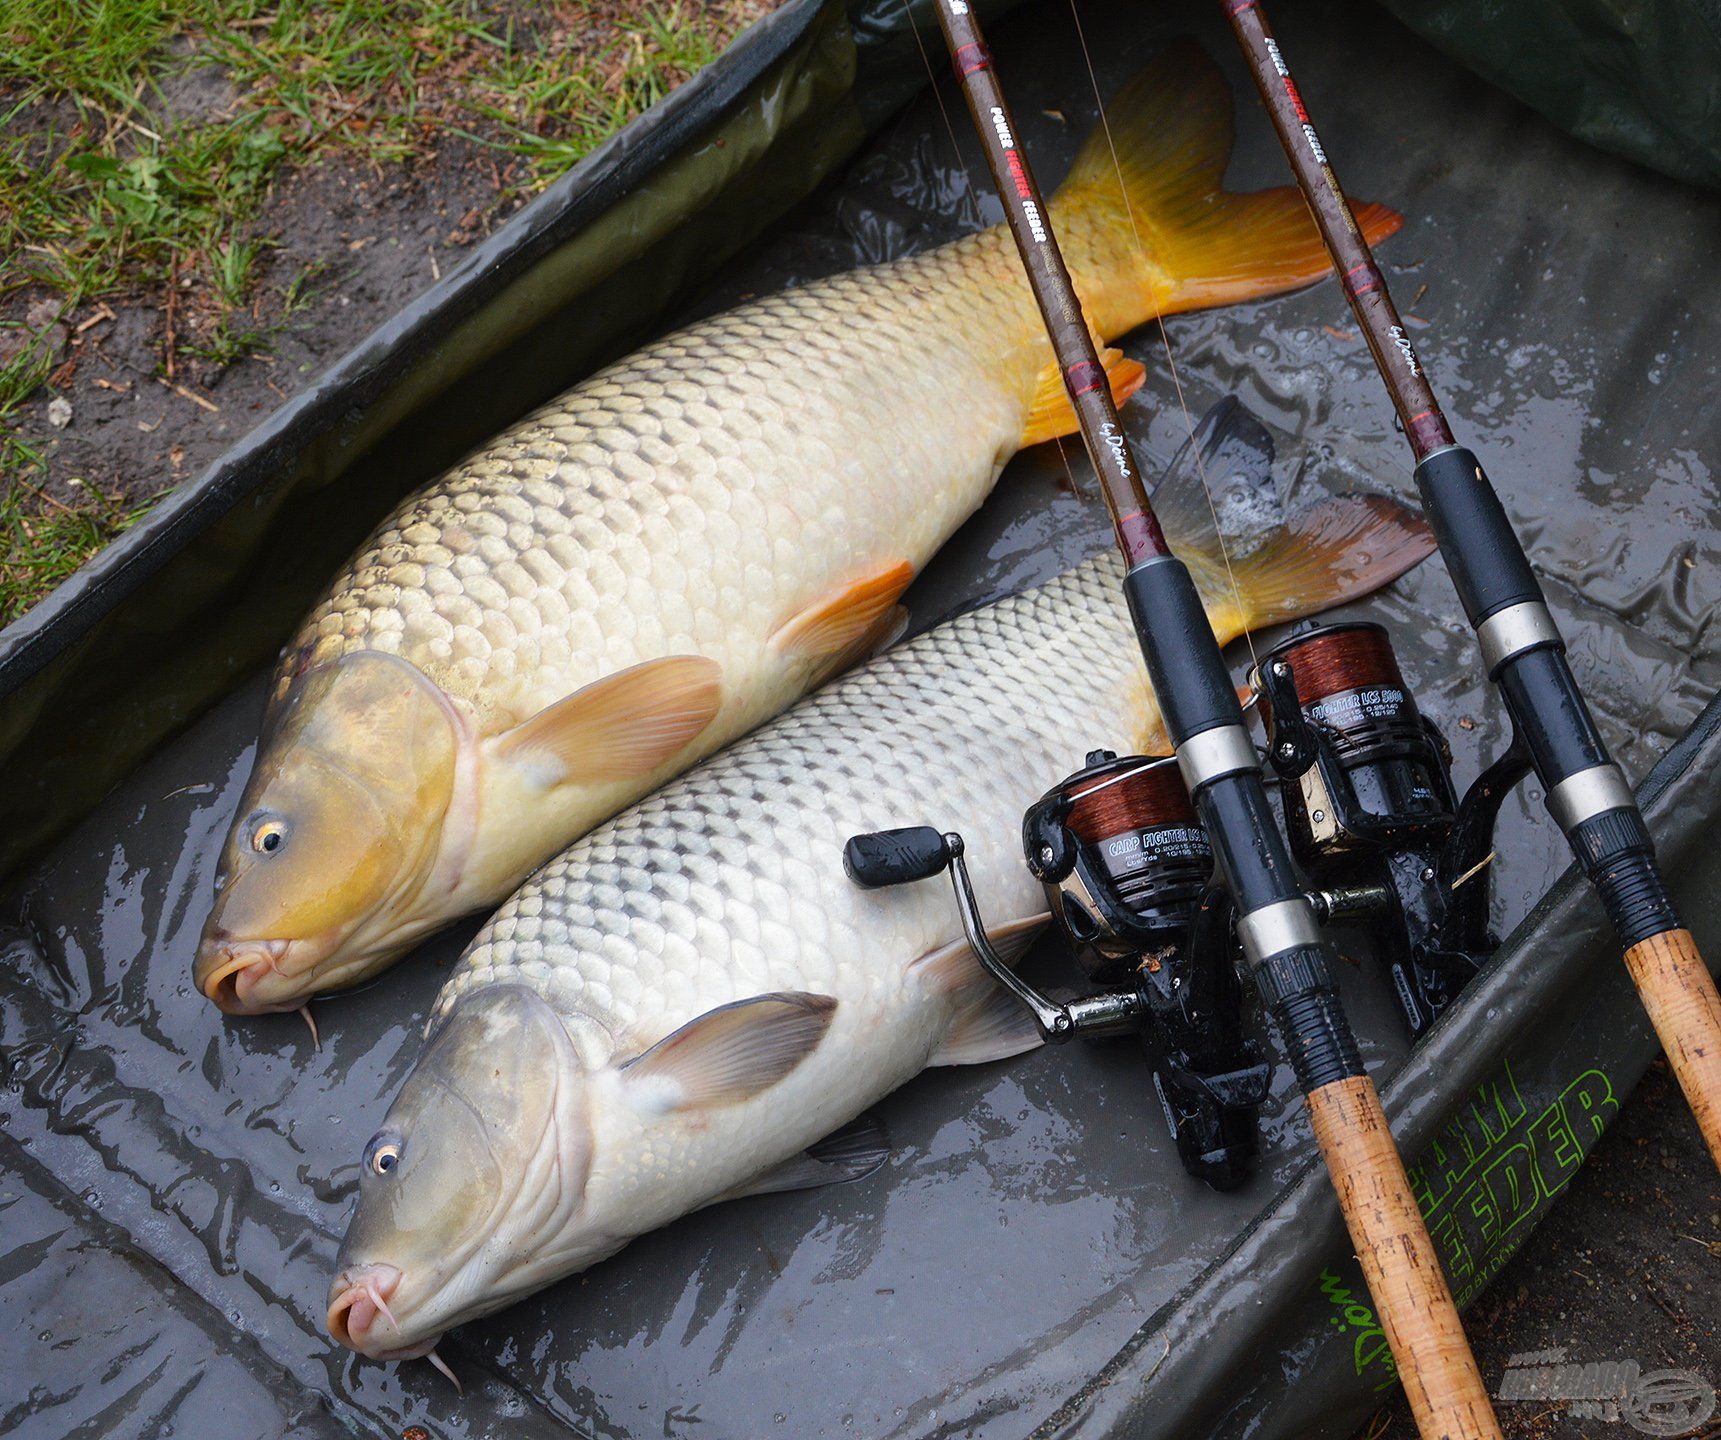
x=231 y=973
x=358 y=1305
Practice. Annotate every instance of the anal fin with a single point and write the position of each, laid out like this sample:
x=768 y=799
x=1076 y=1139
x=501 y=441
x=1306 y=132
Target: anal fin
x=1052 y=414
x=852 y=1153
x=845 y=617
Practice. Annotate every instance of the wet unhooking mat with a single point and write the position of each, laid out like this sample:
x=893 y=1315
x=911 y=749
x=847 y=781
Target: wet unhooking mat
x=1032 y=1261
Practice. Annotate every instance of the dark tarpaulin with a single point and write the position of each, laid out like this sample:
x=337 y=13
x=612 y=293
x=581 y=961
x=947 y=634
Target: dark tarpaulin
x=1032 y=1261
x=1641 y=78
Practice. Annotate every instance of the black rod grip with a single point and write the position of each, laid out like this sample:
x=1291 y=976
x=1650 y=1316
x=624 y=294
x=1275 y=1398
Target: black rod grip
x=1482 y=550
x=894 y=857
x=1178 y=643
x=1544 y=700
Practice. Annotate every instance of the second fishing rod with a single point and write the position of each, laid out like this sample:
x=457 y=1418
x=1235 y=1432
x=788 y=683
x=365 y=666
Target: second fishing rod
x=1522 y=648
x=1276 y=924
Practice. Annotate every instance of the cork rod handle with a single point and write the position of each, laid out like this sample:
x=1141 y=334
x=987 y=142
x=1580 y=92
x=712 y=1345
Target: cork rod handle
x=1685 y=1009
x=1421 y=1322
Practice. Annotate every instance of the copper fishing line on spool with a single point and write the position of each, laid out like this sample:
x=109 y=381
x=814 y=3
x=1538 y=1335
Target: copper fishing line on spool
x=1337 y=659
x=1143 y=858
x=1145 y=798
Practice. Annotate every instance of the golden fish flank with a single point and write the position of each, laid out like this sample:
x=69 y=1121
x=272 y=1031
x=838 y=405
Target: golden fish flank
x=676 y=549
x=682 y=1006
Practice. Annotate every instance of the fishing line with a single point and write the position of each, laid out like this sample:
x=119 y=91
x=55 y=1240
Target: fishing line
x=973 y=195
x=1164 y=333
x=1069 y=474
x=949 y=129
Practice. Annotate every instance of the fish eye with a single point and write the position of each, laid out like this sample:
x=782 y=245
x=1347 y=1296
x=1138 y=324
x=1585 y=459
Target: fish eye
x=268 y=834
x=382 y=1154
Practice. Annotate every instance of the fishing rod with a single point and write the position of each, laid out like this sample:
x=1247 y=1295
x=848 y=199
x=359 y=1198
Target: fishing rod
x=1522 y=649
x=1275 y=921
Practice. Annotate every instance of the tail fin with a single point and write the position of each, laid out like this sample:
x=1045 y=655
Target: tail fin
x=1335 y=550
x=1170 y=238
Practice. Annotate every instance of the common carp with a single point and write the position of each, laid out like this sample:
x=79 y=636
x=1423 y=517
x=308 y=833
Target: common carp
x=679 y=547
x=681 y=1006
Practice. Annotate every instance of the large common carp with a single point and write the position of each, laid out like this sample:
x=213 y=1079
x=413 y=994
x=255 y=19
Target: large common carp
x=682 y=545
x=674 y=1010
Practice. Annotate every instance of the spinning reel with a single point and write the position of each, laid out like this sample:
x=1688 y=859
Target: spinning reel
x=1128 y=873
x=1366 y=783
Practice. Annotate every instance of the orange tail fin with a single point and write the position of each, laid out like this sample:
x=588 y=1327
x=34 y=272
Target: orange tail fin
x=1170 y=237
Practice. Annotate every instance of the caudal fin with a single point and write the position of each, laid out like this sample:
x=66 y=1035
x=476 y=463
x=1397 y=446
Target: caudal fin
x=1335 y=550
x=1169 y=237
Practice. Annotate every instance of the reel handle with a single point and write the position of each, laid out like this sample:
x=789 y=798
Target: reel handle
x=918 y=852
x=896 y=857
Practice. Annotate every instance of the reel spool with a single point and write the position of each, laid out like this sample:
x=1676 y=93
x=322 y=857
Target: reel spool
x=1123 y=859
x=1362 y=769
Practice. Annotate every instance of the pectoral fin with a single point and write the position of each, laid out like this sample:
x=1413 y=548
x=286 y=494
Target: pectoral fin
x=729 y=1054
x=621 y=727
x=846 y=615
x=853 y=1153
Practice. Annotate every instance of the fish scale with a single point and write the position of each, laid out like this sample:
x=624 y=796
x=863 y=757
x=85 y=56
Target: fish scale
x=729 y=882
x=699 y=482
x=680 y=1006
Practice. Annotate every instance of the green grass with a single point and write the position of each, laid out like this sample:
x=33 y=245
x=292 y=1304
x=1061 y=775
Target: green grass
x=103 y=189
x=110 y=191
x=43 y=540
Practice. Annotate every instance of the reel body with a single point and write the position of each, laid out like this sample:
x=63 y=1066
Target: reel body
x=1128 y=869
x=1371 y=811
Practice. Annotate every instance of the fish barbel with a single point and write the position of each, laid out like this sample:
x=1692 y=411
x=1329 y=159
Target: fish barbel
x=679 y=1008
x=682 y=545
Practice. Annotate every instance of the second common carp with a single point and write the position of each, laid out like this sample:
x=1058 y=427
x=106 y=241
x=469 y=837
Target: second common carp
x=680 y=546
x=683 y=1005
